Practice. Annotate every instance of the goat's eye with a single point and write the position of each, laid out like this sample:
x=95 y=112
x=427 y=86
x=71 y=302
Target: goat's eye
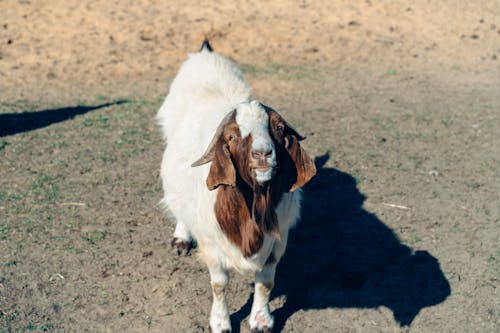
x=280 y=128
x=230 y=137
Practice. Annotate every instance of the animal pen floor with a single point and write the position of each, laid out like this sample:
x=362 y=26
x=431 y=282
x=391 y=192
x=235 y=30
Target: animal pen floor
x=400 y=102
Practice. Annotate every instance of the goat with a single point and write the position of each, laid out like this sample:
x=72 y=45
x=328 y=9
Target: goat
x=239 y=200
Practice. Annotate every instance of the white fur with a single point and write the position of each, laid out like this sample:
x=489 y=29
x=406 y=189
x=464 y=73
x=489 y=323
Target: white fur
x=207 y=87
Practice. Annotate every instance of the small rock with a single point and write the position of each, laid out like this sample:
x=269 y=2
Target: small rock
x=147 y=34
x=354 y=23
x=474 y=36
x=434 y=173
x=312 y=50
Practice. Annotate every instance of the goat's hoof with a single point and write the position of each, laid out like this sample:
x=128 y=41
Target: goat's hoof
x=182 y=246
x=264 y=329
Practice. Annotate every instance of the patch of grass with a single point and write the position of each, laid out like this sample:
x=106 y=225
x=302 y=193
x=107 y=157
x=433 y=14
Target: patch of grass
x=105 y=298
x=414 y=239
x=417 y=160
x=3 y=144
x=457 y=228
x=4 y=230
x=46 y=327
x=491 y=259
x=473 y=185
x=28 y=225
x=285 y=72
x=93 y=120
x=391 y=71
x=10 y=263
x=101 y=98
x=358 y=179
x=95 y=236
x=149 y=321
x=41 y=181
x=58 y=144
x=45 y=186
x=423 y=119
x=493 y=266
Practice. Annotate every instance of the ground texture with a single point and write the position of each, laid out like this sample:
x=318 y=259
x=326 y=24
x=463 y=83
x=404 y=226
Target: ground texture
x=400 y=102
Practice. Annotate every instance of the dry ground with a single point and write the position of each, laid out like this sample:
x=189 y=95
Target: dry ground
x=400 y=102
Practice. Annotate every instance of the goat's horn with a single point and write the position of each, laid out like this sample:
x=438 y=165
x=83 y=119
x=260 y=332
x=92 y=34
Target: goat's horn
x=209 y=153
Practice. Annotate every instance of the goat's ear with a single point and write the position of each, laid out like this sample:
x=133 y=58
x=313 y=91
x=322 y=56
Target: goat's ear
x=210 y=152
x=222 y=170
x=304 y=165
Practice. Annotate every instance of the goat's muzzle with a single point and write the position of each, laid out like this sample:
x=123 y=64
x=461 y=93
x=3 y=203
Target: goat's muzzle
x=263 y=163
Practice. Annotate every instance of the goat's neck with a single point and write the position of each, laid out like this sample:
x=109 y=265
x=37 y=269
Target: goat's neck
x=246 y=214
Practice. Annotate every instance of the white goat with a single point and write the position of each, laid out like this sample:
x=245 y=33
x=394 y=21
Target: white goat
x=240 y=207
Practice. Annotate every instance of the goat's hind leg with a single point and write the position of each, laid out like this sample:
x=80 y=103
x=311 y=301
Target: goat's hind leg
x=182 y=242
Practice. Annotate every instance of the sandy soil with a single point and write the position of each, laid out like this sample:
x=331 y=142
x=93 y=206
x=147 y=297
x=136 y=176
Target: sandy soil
x=401 y=105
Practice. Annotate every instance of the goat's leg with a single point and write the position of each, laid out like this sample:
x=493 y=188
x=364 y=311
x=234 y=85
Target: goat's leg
x=182 y=241
x=261 y=320
x=219 y=315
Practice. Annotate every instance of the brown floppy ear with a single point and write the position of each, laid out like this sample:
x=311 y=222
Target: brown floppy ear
x=304 y=165
x=222 y=170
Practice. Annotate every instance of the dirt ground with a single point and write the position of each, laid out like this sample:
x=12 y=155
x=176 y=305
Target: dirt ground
x=400 y=101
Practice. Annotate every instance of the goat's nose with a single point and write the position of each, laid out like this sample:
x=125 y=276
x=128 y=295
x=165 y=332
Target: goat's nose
x=259 y=154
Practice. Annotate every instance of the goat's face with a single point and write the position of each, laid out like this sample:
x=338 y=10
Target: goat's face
x=257 y=144
x=252 y=148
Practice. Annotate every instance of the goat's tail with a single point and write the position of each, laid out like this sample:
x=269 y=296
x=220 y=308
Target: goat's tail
x=206 y=46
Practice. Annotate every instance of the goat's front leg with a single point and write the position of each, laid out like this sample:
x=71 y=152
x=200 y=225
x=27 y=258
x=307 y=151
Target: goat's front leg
x=261 y=320
x=219 y=316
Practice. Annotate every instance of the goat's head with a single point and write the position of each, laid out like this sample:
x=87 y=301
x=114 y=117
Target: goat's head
x=256 y=144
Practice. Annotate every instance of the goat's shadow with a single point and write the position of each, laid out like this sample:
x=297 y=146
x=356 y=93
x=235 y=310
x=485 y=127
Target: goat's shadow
x=13 y=123
x=342 y=256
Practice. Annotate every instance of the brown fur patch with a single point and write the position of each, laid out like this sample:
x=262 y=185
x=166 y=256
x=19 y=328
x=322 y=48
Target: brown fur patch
x=265 y=288
x=304 y=165
x=233 y=215
x=263 y=209
x=222 y=171
x=218 y=290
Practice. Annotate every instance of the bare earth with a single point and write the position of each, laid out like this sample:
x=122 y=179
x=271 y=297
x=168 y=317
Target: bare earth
x=400 y=102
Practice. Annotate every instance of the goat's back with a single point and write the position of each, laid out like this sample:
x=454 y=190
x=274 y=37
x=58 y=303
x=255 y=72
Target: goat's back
x=206 y=88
